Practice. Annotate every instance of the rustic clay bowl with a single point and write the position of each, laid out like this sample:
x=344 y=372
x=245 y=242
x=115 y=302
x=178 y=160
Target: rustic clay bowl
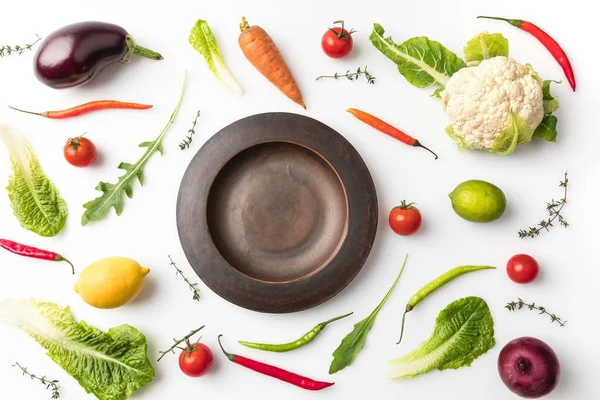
x=277 y=212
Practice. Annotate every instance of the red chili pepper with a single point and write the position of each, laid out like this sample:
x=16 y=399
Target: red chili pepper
x=387 y=129
x=33 y=252
x=275 y=372
x=86 y=108
x=552 y=45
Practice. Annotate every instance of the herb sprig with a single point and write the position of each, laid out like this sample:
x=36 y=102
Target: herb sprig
x=193 y=286
x=351 y=76
x=185 y=143
x=554 y=209
x=17 y=49
x=185 y=339
x=50 y=384
x=520 y=304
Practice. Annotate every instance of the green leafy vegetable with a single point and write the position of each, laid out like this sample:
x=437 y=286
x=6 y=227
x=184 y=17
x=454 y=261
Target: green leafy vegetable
x=423 y=62
x=486 y=45
x=113 y=192
x=34 y=199
x=457 y=139
x=354 y=342
x=517 y=132
x=463 y=331
x=547 y=128
x=202 y=40
x=550 y=103
x=110 y=365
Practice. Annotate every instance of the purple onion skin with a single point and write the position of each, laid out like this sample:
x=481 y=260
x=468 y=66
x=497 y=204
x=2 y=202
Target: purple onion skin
x=529 y=367
x=76 y=53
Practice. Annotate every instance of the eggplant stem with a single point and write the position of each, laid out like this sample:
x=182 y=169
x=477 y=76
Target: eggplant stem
x=133 y=48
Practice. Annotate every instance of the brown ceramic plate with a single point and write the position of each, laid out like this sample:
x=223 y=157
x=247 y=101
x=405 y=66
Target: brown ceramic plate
x=277 y=212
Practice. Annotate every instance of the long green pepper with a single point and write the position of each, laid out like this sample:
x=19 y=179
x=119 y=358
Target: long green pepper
x=436 y=284
x=302 y=341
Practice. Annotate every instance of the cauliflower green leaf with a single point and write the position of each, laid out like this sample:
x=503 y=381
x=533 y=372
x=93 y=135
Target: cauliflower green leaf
x=486 y=45
x=421 y=61
x=111 y=365
x=463 y=331
x=547 y=128
x=457 y=139
x=517 y=132
x=33 y=197
x=550 y=103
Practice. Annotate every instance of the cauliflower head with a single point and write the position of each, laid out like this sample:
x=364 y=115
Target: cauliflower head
x=493 y=105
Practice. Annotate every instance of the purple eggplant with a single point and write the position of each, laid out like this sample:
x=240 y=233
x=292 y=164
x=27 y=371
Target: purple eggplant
x=76 y=53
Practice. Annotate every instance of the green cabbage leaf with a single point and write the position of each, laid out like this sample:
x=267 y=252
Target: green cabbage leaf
x=33 y=197
x=463 y=331
x=111 y=365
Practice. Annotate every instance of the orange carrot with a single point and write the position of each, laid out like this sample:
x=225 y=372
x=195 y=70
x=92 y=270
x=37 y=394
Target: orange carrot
x=261 y=51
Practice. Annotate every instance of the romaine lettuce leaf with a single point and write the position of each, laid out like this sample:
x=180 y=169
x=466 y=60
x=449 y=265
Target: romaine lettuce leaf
x=517 y=132
x=33 y=197
x=203 y=41
x=486 y=45
x=110 y=365
x=423 y=62
x=463 y=331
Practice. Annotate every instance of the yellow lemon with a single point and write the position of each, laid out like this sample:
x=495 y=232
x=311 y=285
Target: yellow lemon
x=111 y=282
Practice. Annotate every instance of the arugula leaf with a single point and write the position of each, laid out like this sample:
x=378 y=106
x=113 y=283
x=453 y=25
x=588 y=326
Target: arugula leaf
x=517 y=132
x=463 y=331
x=110 y=365
x=203 y=41
x=547 y=128
x=423 y=62
x=33 y=197
x=113 y=192
x=354 y=342
x=486 y=45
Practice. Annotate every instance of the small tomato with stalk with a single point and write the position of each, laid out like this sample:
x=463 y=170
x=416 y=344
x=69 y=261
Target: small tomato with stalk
x=522 y=268
x=195 y=359
x=337 y=42
x=405 y=219
x=80 y=151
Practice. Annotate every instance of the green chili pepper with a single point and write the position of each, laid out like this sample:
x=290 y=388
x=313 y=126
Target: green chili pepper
x=434 y=285
x=305 y=339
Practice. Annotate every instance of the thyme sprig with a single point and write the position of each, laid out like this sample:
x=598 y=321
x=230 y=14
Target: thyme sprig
x=193 y=286
x=17 y=49
x=50 y=384
x=186 y=339
x=554 y=209
x=351 y=76
x=185 y=143
x=519 y=304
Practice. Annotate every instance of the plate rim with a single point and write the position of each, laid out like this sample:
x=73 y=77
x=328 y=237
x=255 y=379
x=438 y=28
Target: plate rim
x=219 y=275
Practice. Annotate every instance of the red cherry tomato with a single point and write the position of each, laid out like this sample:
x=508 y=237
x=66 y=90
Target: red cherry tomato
x=80 y=152
x=522 y=268
x=196 y=360
x=337 y=42
x=405 y=219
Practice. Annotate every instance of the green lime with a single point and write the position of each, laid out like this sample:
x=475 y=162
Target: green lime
x=478 y=201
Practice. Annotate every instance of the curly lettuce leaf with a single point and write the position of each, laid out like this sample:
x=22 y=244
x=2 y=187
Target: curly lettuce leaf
x=517 y=132
x=203 y=41
x=486 y=45
x=463 y=331
x=421 y=61
x=33 y=197
x=110 y=365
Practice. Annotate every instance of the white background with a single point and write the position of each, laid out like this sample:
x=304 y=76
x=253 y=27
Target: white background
x=146 y=231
